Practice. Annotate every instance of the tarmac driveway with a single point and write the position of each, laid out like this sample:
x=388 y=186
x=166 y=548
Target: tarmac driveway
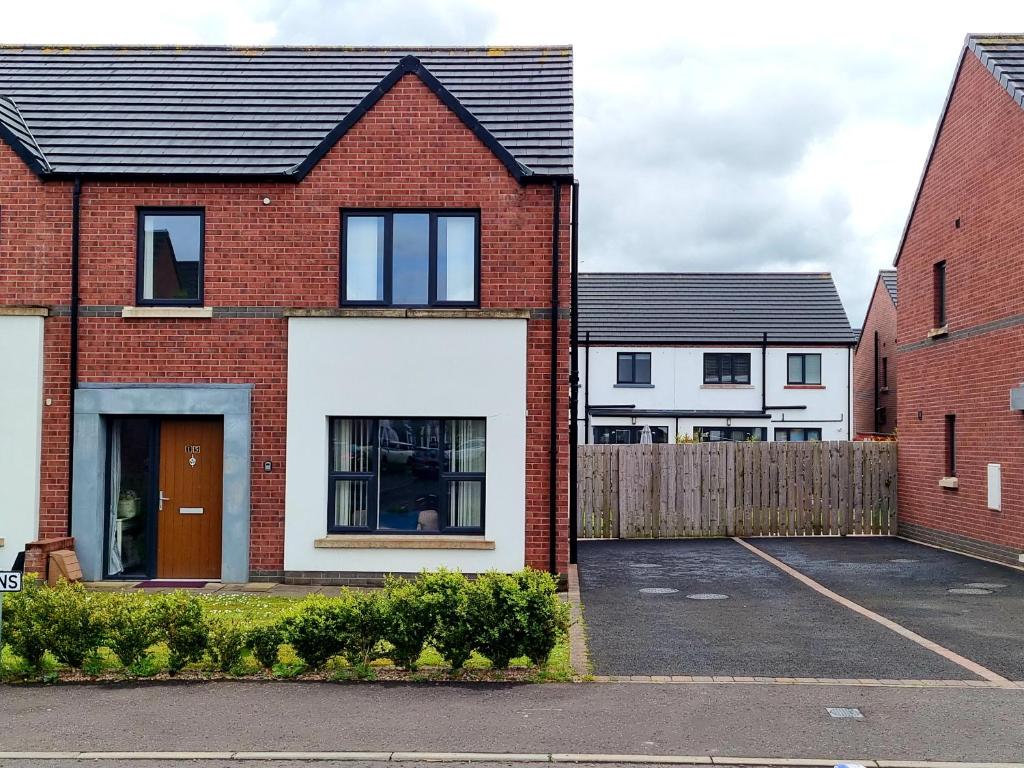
x=769 y=624
x=910 y=584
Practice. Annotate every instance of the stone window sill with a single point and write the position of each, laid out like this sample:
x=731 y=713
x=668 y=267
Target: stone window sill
x=726 y=386
x=358 y=541
x=200 y=313
x=936 y=333
x=20 y=311
x=949 y=482
x=634 y=386
x=804 y=386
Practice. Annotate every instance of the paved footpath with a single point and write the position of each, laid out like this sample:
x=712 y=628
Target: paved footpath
x=714 y=720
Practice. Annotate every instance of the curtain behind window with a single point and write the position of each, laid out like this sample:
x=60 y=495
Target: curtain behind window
x=114 y=562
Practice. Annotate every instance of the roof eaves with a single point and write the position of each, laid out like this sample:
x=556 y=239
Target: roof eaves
x=412 y=65
x=32 y=154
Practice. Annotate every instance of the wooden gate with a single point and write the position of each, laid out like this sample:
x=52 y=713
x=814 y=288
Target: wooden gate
x=736 y=489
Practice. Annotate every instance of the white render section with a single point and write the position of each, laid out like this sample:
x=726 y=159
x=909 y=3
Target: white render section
x=21 y=404
x=404 y=368
x=677 y=378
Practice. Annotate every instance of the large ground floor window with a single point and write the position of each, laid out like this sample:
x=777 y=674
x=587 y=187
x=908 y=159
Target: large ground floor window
x=406 y=475
x=798 y=434
x=729 y=434
x=628 y=435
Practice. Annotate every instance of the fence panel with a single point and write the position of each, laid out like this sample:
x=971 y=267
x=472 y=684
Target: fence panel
x=736 y=489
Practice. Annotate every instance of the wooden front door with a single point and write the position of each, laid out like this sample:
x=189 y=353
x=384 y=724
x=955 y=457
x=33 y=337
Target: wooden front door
x=191 y=495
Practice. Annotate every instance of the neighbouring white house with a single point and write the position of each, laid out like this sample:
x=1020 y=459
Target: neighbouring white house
x=713 y=357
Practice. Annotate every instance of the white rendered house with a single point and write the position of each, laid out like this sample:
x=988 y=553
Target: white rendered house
x=723 y=356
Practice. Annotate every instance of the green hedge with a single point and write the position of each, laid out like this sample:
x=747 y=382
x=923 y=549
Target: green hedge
x=500 y=616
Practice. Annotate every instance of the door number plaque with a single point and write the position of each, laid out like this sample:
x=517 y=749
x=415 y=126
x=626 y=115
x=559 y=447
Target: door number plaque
x=193 y=450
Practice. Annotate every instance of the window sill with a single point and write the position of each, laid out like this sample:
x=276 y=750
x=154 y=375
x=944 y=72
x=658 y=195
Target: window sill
x=804 y=386
x=199 y=313
x=937 y=333
x=949 y=482
x=370 y=541
x=427 y=312
x=21 y=311
x=634 y=386
x=726 y=386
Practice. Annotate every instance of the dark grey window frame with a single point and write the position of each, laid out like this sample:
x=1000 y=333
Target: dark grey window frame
x=950 y=441
x=788 y=430
x=718 y=358
x=140 y=215
x=388 y=214
x=698 y=432
x=803 y=369
x=373 y=478
x=633 y=357
x=634 y=433
x=939 y=298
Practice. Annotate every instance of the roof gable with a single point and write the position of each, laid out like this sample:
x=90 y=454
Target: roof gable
x=270 y=112
x=888 y=278
x=1003 y=56
x=711 y=308
x=18 y=136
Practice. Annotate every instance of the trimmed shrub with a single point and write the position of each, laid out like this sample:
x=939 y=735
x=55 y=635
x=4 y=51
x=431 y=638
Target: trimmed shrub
x=26 y=623
x=264 y=641
x=409 y=620
x=226 y=644
x=367 y=619
x=74 y=625
x=547 y=617
x=454 y=631
x=130 y=627
x=182 y=625
x=497 y=606
x=317 y=629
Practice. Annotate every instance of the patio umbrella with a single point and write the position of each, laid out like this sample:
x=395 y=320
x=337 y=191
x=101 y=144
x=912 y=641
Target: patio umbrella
x=646 y=438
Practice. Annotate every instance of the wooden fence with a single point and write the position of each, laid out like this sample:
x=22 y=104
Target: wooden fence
x=736 y=489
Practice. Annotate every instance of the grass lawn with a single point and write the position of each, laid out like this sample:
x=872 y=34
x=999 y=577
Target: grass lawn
x=249 y=609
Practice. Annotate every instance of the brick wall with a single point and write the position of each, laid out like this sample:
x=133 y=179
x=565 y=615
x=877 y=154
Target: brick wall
x=975 y=176
x=881 y=319
x=408 y=151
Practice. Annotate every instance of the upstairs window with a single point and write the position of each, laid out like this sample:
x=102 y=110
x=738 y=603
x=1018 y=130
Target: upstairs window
x=803 y=369
x=410 y=258
x=726 y=368
x=939 y=298
x=170 y=257
x=634 y=368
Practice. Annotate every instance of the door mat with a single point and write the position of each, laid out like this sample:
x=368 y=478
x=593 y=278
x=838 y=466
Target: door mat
x=156 y=583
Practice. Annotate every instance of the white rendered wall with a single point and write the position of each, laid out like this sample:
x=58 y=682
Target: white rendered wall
x=677 y=378
x=405 y=367
x=21 y=396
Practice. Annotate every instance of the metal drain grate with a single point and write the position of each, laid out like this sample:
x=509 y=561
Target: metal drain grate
x=969 y=591
x=658 y=590
x=850 y=712
x=707 y=596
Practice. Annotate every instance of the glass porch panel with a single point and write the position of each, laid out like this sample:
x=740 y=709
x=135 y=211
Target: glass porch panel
x=129 y=497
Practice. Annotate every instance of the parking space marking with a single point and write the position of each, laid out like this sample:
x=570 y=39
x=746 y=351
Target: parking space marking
x=971 y=666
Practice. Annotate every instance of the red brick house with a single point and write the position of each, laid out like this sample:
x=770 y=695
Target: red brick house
x=286 y=314
x=874 y=362
x=961 y=316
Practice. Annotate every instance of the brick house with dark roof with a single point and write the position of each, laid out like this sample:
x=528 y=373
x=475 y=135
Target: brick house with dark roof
x=292 y=314
x=874 y=362
x=961 y=316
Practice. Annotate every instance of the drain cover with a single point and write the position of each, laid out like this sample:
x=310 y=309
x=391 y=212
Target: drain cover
x=986 y=585
x=658 y=590
x=707 y=596
x=903 y=560
x=969 y=591
x=853 y=712
x=644 y=565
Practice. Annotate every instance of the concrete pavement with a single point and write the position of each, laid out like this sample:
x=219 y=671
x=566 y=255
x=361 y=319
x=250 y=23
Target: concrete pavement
x=732 y=720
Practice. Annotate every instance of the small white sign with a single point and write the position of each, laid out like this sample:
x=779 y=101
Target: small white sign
x=10 y=581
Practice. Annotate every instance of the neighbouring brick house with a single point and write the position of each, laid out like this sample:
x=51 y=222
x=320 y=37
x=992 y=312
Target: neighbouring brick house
x=874 y=362
x=961 y=316
x=314 y=337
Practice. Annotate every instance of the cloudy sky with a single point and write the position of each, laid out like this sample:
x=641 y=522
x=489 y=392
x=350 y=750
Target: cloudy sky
x=709 y=136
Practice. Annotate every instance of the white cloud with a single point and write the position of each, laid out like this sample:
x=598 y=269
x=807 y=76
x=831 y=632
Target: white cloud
x=746 y=135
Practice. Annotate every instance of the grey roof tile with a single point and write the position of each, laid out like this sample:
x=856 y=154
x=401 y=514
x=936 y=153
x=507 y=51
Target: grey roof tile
x=709 y=308
x=261 y=111
x=888 y=277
